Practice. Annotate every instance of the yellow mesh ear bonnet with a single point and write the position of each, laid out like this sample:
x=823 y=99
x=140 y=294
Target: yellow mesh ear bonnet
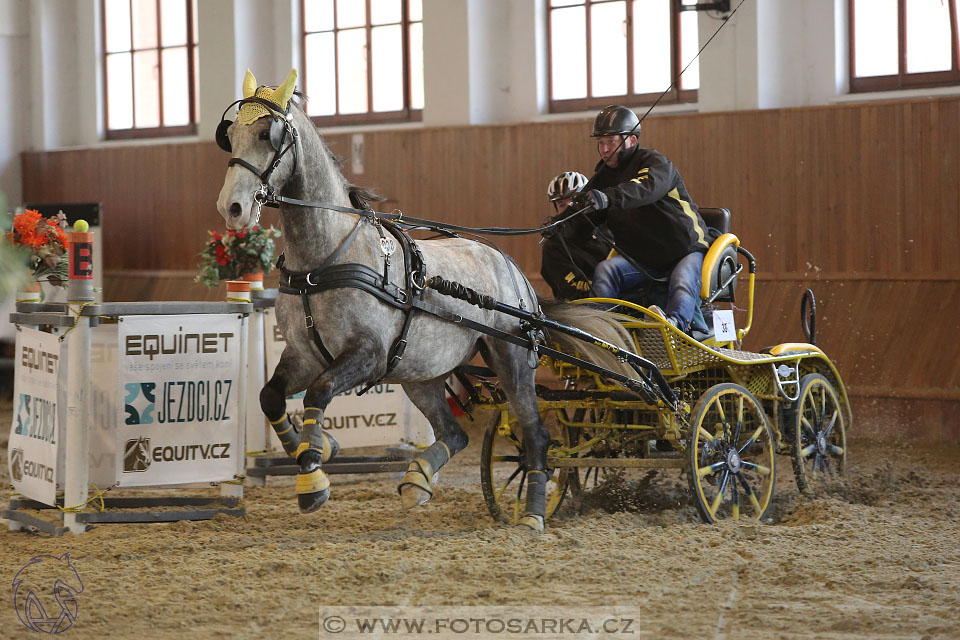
x=280 y=96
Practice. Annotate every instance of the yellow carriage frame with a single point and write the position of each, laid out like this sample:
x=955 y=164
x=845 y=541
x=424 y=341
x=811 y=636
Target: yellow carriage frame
x=790 y=398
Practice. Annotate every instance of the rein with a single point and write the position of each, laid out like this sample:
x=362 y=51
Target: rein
x=271 y=199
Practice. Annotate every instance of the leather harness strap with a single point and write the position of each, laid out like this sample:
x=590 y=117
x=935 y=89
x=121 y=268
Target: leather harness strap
x=359 y=276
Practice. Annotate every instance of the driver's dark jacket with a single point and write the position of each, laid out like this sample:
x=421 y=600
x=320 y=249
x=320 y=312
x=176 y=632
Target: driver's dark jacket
x=651 y=215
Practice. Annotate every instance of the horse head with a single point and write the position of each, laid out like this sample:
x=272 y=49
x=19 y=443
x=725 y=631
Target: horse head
x=264 y=144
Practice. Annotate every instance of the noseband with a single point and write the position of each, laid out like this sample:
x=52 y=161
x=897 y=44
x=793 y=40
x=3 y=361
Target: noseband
x=283 y=137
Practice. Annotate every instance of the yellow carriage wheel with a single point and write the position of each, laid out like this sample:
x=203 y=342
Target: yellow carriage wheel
x=820 y=436
x=503 y=471
x=731 y=454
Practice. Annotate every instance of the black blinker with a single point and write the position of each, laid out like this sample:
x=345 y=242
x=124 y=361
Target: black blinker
x=223 y=140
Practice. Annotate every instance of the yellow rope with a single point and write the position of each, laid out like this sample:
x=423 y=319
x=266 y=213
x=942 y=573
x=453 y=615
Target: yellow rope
x=238 y=299
x=77 y=309
x=97 y=495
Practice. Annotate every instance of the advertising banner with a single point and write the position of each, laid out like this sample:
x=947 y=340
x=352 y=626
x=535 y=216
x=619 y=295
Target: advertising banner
x=179 y=381
x=35 y=434
x=103 y=405
x=382 y=416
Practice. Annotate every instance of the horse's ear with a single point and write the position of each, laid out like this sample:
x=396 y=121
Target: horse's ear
x=284 y=92
x=249 y=84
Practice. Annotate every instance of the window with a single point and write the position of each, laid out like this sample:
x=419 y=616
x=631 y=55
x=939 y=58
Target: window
x=150 y=67
x=620 y=51
x=902 y=44
x=363 y=60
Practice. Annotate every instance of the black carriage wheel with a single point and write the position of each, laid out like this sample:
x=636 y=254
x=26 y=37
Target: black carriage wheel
x=820 y=436
x=731 y=454
x=503 y=472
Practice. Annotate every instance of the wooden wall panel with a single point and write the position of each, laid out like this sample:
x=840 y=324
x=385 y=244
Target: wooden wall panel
x=861 y=202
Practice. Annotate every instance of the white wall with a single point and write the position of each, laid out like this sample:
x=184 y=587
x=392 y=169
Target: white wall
x=484 y=63
x=15 y=107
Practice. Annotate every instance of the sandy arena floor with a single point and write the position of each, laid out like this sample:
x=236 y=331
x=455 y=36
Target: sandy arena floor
x=877 y=556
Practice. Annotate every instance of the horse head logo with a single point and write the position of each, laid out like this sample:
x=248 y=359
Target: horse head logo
x=16 y=464
x=45 y=593
x=135 y=456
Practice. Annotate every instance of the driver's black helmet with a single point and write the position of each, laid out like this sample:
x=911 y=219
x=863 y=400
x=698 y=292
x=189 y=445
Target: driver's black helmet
x=615 y=120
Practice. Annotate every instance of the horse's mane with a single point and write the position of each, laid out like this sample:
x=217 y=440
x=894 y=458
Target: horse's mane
x=359 y=196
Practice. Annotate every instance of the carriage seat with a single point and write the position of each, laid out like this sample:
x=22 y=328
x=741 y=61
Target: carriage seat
x=721 y=260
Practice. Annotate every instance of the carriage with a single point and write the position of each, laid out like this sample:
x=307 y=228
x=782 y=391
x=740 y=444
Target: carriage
x=736 y=409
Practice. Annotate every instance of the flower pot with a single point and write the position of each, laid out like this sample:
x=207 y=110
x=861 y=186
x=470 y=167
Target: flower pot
x=255 y=278
x=32 y=293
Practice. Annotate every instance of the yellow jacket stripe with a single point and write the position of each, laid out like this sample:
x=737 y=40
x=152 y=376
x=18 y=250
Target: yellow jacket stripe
x=687 y=209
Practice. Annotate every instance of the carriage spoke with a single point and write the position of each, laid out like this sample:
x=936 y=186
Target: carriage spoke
x=809 y=427
x=835 y=450
x=736 y=435
x=503 y=487
x=713 y=468
x=831 y=425
x=827 y=466
x=753 y=438
x=706 y=435
x=719 y=498
x=759 y=468
x=736 y=497
x=807 y=450
x=750 y=494
x=516 y=505
x=723 y=419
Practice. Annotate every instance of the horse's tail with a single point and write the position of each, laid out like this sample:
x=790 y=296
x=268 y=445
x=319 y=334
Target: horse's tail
x=598 y=323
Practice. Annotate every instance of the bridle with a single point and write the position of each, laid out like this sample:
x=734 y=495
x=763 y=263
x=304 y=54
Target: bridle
x=283 y=137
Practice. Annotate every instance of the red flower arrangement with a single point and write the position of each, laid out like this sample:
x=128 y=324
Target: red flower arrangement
x=230 y=255
x=45 y=243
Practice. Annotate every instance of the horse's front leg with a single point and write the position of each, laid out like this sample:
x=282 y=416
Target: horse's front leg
x=292 y=375
x=416 y=487
x=347 y=370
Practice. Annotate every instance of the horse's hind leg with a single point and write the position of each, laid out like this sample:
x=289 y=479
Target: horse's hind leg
x=416 y=487
x=517 y=381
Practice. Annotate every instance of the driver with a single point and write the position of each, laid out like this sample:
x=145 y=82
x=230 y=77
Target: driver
x=659 y=233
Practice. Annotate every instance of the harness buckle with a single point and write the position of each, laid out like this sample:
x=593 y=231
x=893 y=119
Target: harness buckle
x=309 y=321
x=420 y=285
x=402 y=296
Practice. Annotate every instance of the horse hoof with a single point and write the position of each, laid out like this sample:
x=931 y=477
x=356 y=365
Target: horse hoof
x=313 y=489
x=413 y=496
x=531 y=523
x=310 y=502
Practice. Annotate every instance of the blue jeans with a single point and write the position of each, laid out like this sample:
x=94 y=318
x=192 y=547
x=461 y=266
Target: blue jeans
x=615 y=278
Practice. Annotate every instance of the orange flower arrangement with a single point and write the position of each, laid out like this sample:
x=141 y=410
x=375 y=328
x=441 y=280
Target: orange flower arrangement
x=45 y=242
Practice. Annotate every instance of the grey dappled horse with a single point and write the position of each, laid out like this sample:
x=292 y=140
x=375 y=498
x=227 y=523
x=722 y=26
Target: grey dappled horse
x=358 y=329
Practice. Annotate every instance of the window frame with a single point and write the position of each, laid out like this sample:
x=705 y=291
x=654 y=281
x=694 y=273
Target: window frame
x=162 y=131
x=407 y=114
x=675 y=95
x=902 y=79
